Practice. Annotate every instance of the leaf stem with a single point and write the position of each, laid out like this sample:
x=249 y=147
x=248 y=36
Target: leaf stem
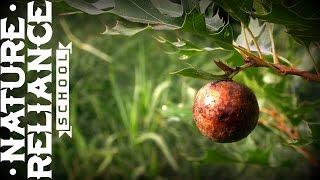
x=274 y=55
x=245 y=36
x=241 y=68
x=255 y=42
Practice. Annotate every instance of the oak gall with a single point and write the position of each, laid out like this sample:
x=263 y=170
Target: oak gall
x=225 y=111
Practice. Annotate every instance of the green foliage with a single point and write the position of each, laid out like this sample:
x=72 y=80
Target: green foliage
x=301 y=28
x=135 y=11
x=237 y=9
x=198 y=17
x=196 y=73
x=159 y=16
x=124 y=28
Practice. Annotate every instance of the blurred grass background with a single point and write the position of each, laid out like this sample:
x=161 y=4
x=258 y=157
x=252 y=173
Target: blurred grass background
x=133 y=120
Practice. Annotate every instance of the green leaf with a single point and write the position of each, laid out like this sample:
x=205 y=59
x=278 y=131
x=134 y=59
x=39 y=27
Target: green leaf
x=140 y=11
x=195 y=22
x=162 y=15
x=224 y=37
x=186 y=49
x=189 y=5
x=236 y=9
x=124 y=29
x=91 y=8
x=262 y=7
x=145 y=12
x=169 y=8
x=209 y=9
x=260 y=32
x=199 y=74
x=304 y=30
x=159 y=14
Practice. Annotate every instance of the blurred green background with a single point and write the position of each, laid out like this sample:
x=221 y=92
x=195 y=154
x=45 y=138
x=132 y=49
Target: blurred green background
x=133 y=120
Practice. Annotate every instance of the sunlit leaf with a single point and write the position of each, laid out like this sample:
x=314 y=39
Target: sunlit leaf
x=169 y=8
x=160 y=15
x=213 y=21
x=186 y=49
x=132 y=10
x=199 y=74
x=260 y=32
x=121 y=29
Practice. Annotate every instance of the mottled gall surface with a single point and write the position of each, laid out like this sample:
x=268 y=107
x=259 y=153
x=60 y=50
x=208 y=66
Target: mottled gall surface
x=225 y=111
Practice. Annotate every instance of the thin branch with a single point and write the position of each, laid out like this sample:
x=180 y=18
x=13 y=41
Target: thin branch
x=255 y=61
x=249 y=57
x=274 y=55
x=255 y=43
x=282 y=69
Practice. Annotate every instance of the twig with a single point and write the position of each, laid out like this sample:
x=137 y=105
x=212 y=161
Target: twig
x=249 y=57
x=231 y=72
x=274 y=55
x=281 y=69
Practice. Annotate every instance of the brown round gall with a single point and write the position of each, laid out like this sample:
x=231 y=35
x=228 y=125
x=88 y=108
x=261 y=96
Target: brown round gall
x=225 y=111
